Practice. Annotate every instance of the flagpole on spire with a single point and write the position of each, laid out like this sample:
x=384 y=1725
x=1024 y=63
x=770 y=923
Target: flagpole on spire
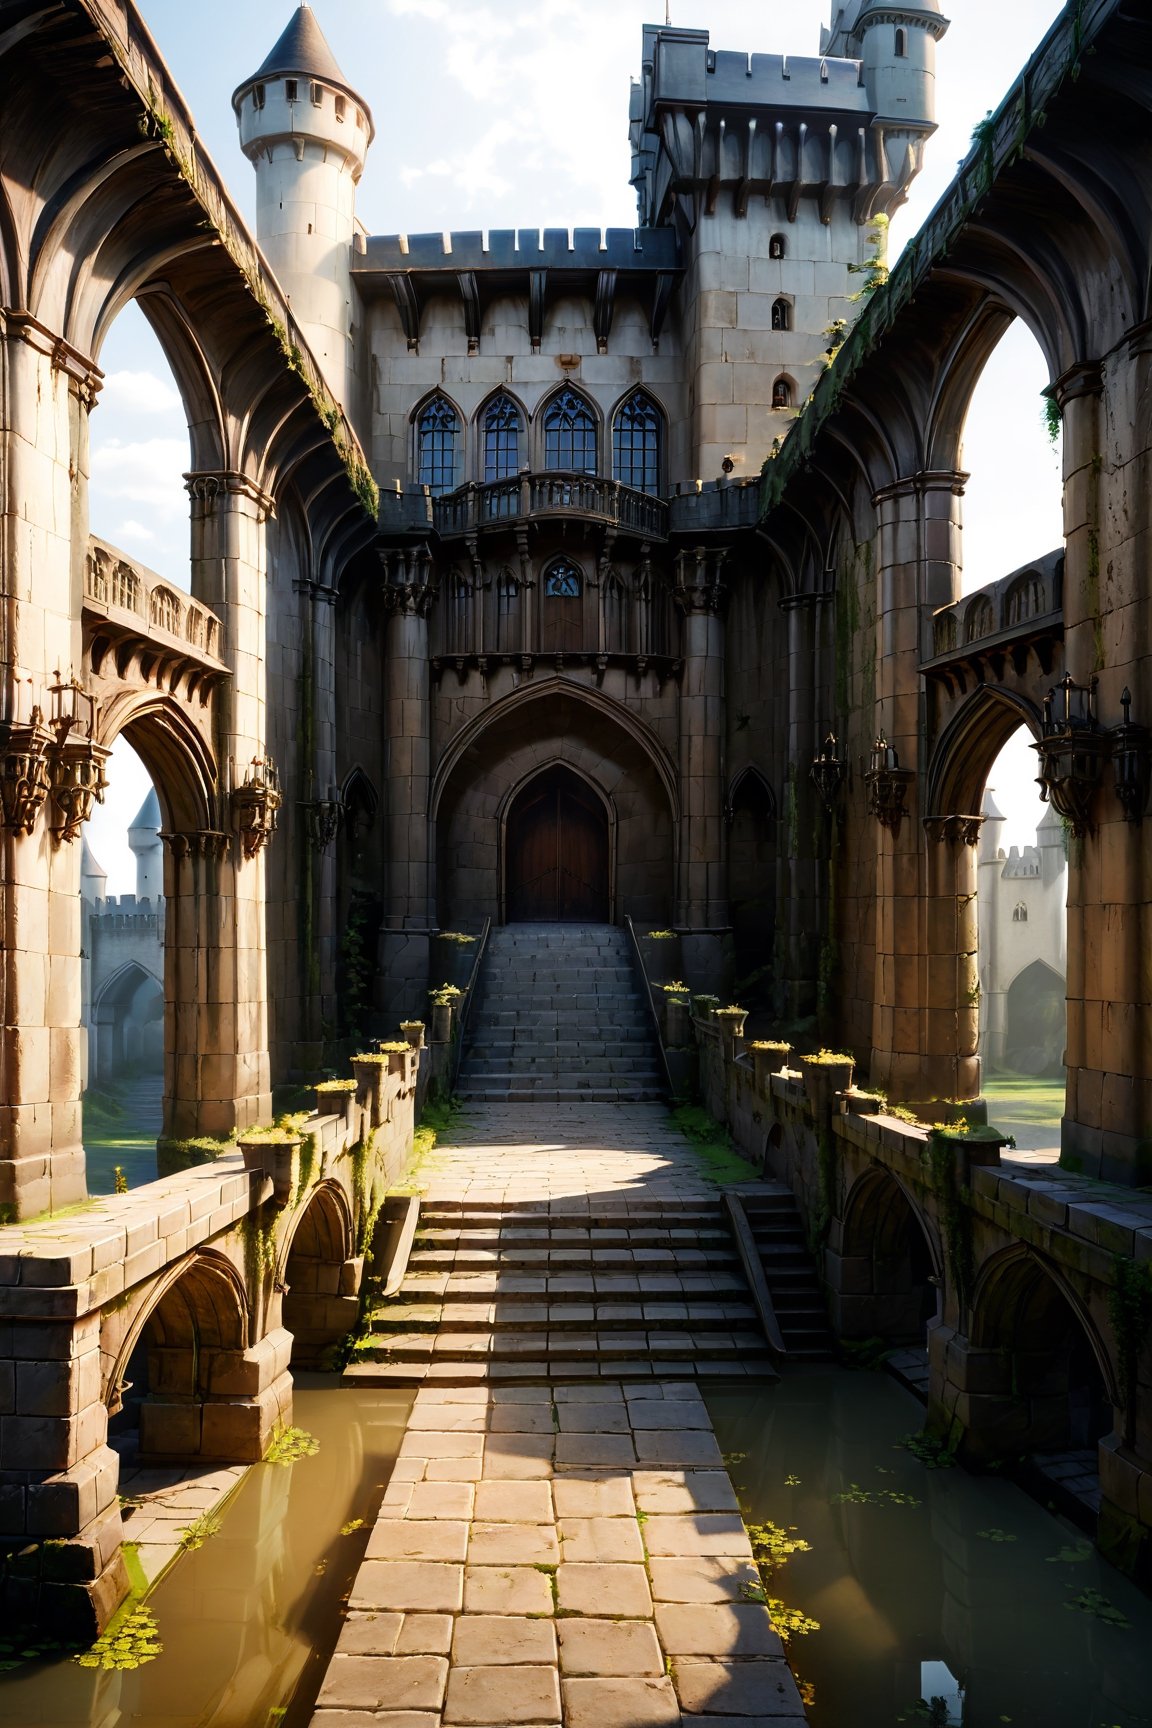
x=668 y=12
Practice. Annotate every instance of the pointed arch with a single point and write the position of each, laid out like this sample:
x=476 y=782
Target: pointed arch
x=568 y=433
x=501 y=433
x=639 y=440
x=437 y=443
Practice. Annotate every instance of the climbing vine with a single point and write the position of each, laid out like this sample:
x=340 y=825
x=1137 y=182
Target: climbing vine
x=357 y=965
x=1130 y=1313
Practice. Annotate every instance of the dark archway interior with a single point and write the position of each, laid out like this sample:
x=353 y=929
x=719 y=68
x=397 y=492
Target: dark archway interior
x=752 y=886
x=889 y=1287
x=1035 y=1022
x=320 y=1304
x=557 y=852
x=1042 y=1369
x=192 y=1334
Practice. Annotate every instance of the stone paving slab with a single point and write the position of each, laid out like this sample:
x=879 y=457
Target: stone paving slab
x=569 y=1583
x=161 y=1506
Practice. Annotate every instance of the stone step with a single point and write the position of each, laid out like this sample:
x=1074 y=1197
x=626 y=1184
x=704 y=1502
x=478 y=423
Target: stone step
x=519 y=1317
x=561 y=1346
x=484 y=1094
x=602 y=1287
x=623 y=1212
x=557 y=1261
x=439 y=1230
x=540 y=1370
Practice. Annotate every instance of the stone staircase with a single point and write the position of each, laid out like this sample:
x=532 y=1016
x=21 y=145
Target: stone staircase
x=631 y=1289
x=560 y=1019
x=789 y=1272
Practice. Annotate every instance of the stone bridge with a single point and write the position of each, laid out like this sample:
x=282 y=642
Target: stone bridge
x=200 y=1291
x=1017 y=1278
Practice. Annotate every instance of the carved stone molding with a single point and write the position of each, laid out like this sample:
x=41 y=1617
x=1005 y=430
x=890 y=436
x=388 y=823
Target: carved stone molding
x=199 y=843
x=699 y=584
x=956 y=830
x=208 y=486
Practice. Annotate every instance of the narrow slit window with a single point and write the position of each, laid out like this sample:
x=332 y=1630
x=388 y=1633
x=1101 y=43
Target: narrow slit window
x=292 y=89
x=901 y=44
x=781 y=315
x=777 y=246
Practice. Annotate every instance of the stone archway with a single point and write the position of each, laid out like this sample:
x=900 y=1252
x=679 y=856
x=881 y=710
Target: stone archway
x=322 y=1276
x=886 y=1271
x=558 y=726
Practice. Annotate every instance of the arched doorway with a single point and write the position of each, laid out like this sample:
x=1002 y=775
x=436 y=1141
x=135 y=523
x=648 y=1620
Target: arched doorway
x=557 y=852
x=888 y=1281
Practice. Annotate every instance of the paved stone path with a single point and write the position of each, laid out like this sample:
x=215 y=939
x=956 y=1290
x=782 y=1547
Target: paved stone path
x=559 y=1555
x=563 y=1552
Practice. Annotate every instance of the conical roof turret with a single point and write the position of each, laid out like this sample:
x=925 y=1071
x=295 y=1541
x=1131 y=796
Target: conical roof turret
x=145 y=827
x=302 y=52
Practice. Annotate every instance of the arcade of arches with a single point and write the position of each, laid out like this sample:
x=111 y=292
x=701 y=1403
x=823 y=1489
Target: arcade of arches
x=755 y=709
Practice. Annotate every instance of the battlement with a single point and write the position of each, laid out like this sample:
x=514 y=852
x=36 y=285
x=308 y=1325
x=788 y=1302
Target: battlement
x=686 y=72
x=521 y=249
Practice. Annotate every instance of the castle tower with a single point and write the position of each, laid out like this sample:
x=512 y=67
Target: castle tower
x=306 y=133
x=145 y=842
x=898 y=58
x=93 y=876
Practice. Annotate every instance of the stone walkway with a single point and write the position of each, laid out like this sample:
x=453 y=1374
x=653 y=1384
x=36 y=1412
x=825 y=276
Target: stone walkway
x=561 y=1554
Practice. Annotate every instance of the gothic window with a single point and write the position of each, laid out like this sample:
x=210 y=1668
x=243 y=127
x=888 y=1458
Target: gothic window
x=563 y=581
x=777 y=246
x=781 y=315
x=1020 y=913
x=636 y=444
x=437 y=435
x=570 y=434
x=503 y=426
x=782 y=394
x=901 y=44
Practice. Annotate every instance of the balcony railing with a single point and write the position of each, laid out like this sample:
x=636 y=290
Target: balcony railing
x=114 y=585
x=498 y=502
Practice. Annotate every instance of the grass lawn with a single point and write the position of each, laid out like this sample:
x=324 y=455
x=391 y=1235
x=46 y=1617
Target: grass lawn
x=1025 y=1100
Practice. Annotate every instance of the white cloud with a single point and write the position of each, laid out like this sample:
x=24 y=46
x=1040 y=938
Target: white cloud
x=148 y=472
x=139 y=393
x=129 y=531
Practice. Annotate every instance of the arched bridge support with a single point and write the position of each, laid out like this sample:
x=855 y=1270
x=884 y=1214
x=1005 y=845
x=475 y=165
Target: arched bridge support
x=170 y=1310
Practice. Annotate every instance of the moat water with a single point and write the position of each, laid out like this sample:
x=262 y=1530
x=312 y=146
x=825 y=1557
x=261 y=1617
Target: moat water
x=248 y=1621
x=928 y=1583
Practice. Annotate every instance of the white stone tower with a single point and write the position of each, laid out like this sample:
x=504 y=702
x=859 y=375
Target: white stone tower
x=306 y=133
x=145 y=842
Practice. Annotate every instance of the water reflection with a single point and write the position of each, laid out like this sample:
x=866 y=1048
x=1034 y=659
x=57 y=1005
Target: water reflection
x=976 y=1591
x=252 y=1616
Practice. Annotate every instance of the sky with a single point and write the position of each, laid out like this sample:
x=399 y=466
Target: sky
x=510 y=113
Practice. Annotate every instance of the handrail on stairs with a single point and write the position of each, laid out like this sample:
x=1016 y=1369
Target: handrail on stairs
x=653 y=1015
x=754 y=1272
x=469 y=995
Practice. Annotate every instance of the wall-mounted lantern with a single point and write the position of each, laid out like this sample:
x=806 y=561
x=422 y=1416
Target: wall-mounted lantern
x=323 y=816
x=255 y=804
x=1071 y=750
x=887 y=785
x=75 y=761
x=1132 y=762
x=23 y=771
x=829 y=772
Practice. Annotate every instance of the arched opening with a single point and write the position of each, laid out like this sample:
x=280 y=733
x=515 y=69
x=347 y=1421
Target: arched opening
x=123 y=913
x=183 y=1350
x=562 y=607
x=751 y=885
x=439 y=442
x=1040 y=1370
x=557 y=852
x=901 y=43
x=503 y=434
x=783 y=393
x=781 y=314
x=1022 y=900
x=1011 y=449
x=888 y=1286
x=552 y=722
x=321 y=1305
x=777 y=246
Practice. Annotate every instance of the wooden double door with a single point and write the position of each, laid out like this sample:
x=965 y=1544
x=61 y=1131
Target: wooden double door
x=557 y=853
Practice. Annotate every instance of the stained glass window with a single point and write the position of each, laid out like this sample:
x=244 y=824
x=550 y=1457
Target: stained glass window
x=636 y=444
x=563 y=581
x=502 y=428
x=437 y=435
x=570 y=434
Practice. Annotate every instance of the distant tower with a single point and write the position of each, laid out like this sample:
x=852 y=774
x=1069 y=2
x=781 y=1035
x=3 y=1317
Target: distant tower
x=93 y=877
x=306 y=133
x=898 y=54
x=144 y=840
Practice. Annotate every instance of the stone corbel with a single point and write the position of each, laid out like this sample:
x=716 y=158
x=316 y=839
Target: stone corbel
x=956 y=830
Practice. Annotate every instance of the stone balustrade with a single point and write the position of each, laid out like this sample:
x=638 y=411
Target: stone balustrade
x=112 y=584
x=529 y=496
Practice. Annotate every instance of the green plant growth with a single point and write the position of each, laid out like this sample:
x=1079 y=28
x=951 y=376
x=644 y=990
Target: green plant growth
x=660 y=936
x=457 y=936
x=772 y=1548
x=1130 y=1314
x=121 y=1181
x=197 y=1533
x=131 y=1640
x=1053 y=420
x=174 y=1156
x=932 y=1453
x=356 y=966
x=875 y=267
x=713 y=1145
x=855 y=1495
x=289 y=1445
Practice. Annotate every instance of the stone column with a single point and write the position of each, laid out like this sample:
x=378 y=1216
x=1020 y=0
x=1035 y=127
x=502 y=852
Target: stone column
x=409 y=903
x=917 y=570
x=316 y=767
x=702 y=896
x=802 y=896
x=224 y=1080
x=46 y=391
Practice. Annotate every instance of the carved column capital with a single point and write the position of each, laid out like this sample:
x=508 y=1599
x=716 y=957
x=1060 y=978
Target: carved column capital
x=208 y=486
x=699 y=582
x=410 y=588
x=956 y=830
